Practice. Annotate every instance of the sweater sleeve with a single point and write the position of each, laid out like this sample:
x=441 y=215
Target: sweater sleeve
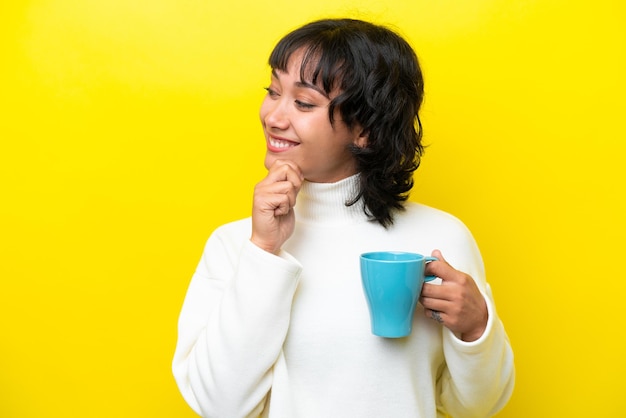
x=232 y=327
x=479 y=376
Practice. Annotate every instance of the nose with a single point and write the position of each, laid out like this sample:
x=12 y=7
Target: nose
x=274 y=113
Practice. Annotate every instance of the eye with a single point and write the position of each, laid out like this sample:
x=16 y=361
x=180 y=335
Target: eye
x=271 y=92
x=303 y=105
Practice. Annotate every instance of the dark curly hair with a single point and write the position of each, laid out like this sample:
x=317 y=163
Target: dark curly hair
x=380 y=88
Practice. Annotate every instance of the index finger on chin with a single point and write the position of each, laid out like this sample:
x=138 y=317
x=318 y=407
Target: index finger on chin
x=286 y=170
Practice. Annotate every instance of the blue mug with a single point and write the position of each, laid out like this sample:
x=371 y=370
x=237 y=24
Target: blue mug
x=392 y=282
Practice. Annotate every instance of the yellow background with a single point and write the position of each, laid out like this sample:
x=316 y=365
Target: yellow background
x=129 y=131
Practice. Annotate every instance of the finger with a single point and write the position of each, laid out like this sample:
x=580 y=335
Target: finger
x=441 y=268
x=286 y=170
x=276 y=197
x=287 y=189
x=437 y=253
x=435 y=315
x=281 y=204
x=435 y=291
x=295 y=167
x=284 y=177
x=435 y=304
x=286 y=180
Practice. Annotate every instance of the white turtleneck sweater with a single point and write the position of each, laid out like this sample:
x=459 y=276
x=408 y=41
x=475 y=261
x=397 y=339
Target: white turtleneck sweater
x=289 y=336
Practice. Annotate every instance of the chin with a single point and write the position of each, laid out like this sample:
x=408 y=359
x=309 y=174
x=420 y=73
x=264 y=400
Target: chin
x=269 y=160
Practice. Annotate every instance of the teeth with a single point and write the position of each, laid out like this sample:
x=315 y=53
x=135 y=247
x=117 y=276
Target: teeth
x=280 y=144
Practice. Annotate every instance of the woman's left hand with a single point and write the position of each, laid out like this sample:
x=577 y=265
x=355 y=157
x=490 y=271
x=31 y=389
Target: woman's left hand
x=456 y=302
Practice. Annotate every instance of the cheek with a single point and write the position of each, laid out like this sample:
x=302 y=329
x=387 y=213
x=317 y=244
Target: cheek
x=263 y=111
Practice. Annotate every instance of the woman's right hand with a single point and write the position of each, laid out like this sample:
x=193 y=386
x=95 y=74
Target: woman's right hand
x=273 y=219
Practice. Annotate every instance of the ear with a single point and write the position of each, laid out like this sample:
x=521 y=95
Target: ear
x=362 y=139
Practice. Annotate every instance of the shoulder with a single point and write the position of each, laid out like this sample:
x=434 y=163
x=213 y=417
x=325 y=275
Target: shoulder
x=234 y=228
x=440 y=227
x=230 y=236
x=441 y=230
x=420 y=214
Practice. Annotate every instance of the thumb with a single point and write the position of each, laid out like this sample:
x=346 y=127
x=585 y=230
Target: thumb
x=437 y=254
x=439 y=268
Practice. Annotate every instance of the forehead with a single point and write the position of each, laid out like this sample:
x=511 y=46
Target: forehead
x=293 y=65
x=297 y=81
x=312 y=67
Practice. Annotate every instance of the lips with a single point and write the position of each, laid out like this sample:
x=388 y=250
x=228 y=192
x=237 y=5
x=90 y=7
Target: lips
x=279 y=144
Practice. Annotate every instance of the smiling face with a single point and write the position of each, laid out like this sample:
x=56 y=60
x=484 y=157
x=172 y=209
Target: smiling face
x=295 y=119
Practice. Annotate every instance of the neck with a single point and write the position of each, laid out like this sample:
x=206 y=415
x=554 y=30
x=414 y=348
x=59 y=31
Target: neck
x=325 y=203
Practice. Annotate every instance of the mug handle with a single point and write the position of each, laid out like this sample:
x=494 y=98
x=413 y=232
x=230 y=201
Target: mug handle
x=428 y=260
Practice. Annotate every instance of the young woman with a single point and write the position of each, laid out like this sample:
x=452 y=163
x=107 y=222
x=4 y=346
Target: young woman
x=275 y=322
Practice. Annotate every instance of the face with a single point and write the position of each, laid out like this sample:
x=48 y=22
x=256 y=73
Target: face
x=295 y=119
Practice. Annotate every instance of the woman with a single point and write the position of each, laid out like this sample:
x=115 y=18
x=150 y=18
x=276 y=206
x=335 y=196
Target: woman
x=275 y=323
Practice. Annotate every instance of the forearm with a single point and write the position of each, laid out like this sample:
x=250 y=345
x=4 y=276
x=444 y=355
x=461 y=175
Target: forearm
x=231 y=333
x=480 y=375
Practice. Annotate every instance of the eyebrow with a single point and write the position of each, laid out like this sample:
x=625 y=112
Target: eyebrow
x=303 y=84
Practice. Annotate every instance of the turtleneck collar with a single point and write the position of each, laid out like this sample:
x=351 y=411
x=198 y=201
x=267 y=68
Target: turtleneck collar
x=325 y=203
